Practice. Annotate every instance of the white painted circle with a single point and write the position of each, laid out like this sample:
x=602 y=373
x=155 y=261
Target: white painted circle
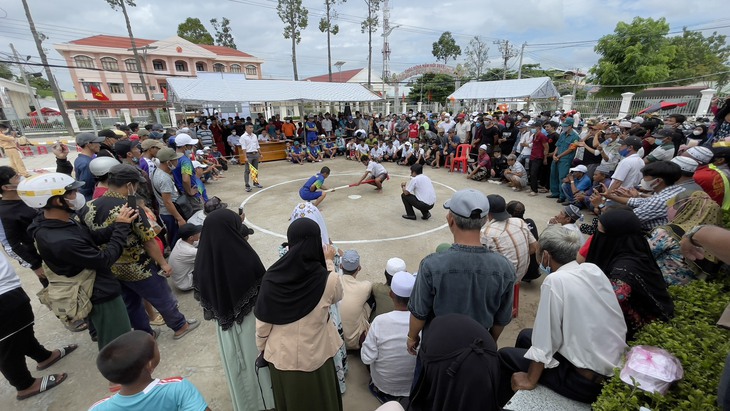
x=404 y=237
x=354 y=196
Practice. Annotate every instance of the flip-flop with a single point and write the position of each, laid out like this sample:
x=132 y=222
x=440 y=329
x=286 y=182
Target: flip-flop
x=64 y=352
x=192 y=324
x=47 y=382
x=77 y=326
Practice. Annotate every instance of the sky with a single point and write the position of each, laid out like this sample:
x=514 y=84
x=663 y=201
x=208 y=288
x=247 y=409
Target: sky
x=552 y=29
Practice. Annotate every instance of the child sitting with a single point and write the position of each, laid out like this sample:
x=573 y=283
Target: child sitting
x=129 y=361
x=314 y=154
x=340 y=142
x=351 y=149
x=297 y=154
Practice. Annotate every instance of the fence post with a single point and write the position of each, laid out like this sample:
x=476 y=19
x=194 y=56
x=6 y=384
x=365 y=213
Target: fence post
x=173 y=119
x=127 y=117
x=705 y=101
x=74 y=123
x=420 y=105
x=387 y=108
x=625 y=104
x=567 y=102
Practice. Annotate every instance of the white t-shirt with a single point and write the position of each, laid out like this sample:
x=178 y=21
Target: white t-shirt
x=249 y=143
x=406 y=151
x=8 y=278
x=376 y=169
x=462 y=129
x=151 y=165
x=526 y=138
x=422 y=187
x=363 y=148
x=234 y=140
x=326 y=124
x=628 y=171
x=384 y=349
x=182 y=261
x=447 y=125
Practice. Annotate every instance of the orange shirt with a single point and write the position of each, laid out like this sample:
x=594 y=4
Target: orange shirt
x=289 y=129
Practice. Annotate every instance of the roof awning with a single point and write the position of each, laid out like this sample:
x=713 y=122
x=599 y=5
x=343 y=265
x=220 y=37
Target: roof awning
x=533 y=88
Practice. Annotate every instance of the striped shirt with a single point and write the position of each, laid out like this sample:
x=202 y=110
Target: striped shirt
x=511 y=238
x=652 y=211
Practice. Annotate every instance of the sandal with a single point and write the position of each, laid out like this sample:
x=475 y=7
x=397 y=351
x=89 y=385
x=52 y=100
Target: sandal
x=192 y=324
x=47 y=382
x=64 y=351
x=158 y=320
x=77 y=326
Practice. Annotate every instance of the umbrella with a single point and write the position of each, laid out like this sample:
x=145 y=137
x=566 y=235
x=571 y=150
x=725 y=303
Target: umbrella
x=662 y=105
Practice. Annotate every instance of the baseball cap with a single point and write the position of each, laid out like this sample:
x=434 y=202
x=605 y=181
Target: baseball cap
x=149 y=143
x=183 y=139
x=125 y=146
x=350 y=260
x=632 y=141
x=568 y=122
x=199 y=152
x=637 y=120
x=702 y=155
x=143 y=133
x=188 y=230
x=612 y=130
x=126 y=173
x=624 y=124
x=663 y=133
x=604 y=169
x=483 y=147
x=198 y=164
x=394 y=265
x=157 y=127
x=107 y=133
x=579 y=168
x=168 y=154
x=468 y=203
x=86 y=138
x=687 y=164
x=402 y=284
x=498 y=207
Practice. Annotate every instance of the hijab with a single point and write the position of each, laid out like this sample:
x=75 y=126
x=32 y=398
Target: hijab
x=310 y=211
x=293 y=286
x=460 y=367
x=623 y=253
x=228 y=272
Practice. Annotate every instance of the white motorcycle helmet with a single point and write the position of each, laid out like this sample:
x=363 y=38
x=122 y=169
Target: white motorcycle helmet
x=37 y=190
x=101 y=165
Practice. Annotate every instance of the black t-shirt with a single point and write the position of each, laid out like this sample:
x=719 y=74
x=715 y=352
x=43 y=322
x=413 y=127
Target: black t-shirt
x=490 y=135
x=589 y=157
x=552 y=141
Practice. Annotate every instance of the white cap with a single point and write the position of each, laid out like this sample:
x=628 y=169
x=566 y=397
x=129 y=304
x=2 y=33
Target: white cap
x=199 y=152
x=579 y=168
x=394 y=265
x=624 y=124
x=402 y=284
x=637 y=120
x=198 y=164
x=206 y=148
x=685 y=163
x=483 y=147
x=185 y=140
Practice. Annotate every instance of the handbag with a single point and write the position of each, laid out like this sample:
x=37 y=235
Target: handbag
x=182 y=203
x=68 y=297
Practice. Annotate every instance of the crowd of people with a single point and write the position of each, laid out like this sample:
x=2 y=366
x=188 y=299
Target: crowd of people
x=137 y=210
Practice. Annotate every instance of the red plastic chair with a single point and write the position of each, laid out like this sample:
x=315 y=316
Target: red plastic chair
x=461 y=159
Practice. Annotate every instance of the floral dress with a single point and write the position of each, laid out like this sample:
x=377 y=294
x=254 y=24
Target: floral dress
x=665 y=249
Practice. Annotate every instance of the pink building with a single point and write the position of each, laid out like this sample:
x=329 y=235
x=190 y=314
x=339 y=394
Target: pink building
x=107 y=62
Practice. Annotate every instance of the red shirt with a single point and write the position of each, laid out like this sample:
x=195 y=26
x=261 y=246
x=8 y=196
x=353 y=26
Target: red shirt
x=413 y=130
x=711 y=181
x=538 y=151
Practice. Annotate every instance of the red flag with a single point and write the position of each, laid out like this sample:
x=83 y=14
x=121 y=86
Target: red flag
x=164 y=92
x=430 y=96
x=404 y=97
x=97 y=94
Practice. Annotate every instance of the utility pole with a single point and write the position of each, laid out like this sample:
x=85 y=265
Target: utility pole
x=51 y=80
x=508 y=51
x=27 y=85
x=522 y=54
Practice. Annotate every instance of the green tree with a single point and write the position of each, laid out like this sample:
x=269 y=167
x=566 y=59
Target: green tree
x=636 y=53
x=498 y=73
x=223 y=33
x=431 y=87
x=295 y=18
x=326 y=26
x=5 y=72
x=42 y=86
x=122 y=4
x=698 y=55
x=446 y=48
x=370 y=25
x=192 y=30
x=476 y=57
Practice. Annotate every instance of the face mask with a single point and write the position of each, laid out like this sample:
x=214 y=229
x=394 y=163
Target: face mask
x=508 y=125
x=519 y=117
x=624 y=153
x=697 y=132
x=77 y=203
x=545 y=270
x=195 y=243
x=657 y=142
x=135 y=160
x=647 y=185
x=667 y=127
x=188 y=152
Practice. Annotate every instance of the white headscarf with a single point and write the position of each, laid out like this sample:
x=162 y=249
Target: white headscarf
x=308 y=210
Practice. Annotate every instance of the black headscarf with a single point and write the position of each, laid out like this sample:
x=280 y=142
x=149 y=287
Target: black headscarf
x=293 y=286
x=460 y=367
x=228 y=272
x=623 y=253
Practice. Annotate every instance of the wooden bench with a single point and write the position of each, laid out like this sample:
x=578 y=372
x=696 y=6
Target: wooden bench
x=543 y=399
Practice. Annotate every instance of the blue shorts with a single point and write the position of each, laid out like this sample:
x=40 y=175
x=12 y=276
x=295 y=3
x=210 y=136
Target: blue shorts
x=307 y=195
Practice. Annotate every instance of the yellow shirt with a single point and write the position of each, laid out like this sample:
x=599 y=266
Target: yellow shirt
x=7 y=142
x=354 y=309
x=307 y=343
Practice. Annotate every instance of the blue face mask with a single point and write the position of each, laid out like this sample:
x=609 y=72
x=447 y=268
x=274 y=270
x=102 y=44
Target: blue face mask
x=545 y=270
x=624 y=152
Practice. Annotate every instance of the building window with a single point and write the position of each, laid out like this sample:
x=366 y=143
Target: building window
x=131 y=65
x=87 y=86
x=200 y=66
x=158 y=65
x=108 y=63
x=116 y=88
x=100 y=112
x=181 y=66
x=251 y=70
x=137 y=88
x=84 y=62
x=235 y=68
x=219 y=68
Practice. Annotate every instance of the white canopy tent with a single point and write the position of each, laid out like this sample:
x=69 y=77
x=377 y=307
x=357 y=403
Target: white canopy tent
x=528 y=88
x=229 y=88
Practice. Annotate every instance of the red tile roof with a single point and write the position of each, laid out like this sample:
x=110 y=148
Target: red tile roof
x=224 y=51
x=111 y=41
x=337 y=77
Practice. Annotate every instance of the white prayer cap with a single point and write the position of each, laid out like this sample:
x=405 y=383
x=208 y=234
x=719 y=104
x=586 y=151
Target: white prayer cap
x=394 y=265
x=402 y=284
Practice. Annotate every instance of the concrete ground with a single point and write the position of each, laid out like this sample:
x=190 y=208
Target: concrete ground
x=357 y=217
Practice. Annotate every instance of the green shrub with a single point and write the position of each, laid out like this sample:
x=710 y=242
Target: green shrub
x=695 y=340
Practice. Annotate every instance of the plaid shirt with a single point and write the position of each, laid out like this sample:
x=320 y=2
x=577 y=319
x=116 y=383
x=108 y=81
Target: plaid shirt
x=652 y=211
x=512 y=239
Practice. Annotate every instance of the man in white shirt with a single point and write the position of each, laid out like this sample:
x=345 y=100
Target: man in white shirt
x=447 y=124
x=357 y=301
x=327 y=125
x=418 y=193
x=375 y=170
x=628 y=171
x=182 y=257
x=579 y=333
x=251 y=155
x=150 y=148
x=463 y=128
x=391 y=366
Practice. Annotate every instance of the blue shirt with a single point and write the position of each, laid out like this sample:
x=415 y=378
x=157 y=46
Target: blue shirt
x=317 y=180
x=171 y=394
x=584 y=184
x=311 y=135
x=81 y=167
x=184 y=166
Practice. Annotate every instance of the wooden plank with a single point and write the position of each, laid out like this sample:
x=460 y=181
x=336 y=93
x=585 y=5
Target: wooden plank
x=272 y=151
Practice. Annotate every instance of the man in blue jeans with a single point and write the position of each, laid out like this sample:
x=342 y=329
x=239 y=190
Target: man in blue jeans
x=138 y=267
x=562 y=158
